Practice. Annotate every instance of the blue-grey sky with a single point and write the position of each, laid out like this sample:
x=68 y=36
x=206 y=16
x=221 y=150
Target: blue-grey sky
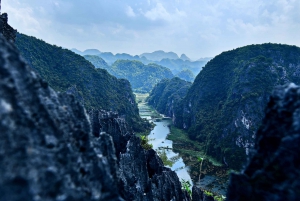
x=198 y=28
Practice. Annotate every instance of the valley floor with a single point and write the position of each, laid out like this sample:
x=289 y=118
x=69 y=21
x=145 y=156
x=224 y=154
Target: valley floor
x=214 y=176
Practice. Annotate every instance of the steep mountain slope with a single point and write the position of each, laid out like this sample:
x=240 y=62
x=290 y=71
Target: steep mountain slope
x=274 y=169
x=224 y=106
x=142 y=77
x=186 y=75
x=51 y=149
x=97 y=61
x=63 y=69
x=167 y=94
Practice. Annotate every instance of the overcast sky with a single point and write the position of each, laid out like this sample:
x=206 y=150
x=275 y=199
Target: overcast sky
x=198 y=28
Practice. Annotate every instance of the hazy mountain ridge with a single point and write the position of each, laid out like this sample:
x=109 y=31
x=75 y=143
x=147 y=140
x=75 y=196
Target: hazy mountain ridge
x=174 y=63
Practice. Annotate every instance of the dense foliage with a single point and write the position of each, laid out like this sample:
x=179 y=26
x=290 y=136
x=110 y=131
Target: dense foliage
x=142 y=77
x=63 y=69
x=177 y=65
x=186 y=75
x=167 y=94
x=225 y=104
x=97 y=61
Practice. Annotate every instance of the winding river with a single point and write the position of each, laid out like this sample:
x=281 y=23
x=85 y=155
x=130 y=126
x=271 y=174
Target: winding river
x=164 y=148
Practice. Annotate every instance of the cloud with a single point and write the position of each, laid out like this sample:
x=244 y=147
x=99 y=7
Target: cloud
x=196 y=28
x=158 y=13
x=23 y=16
x=129 y=11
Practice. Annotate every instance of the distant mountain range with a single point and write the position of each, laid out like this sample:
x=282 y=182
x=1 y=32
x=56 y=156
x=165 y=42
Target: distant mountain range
x=167 y=59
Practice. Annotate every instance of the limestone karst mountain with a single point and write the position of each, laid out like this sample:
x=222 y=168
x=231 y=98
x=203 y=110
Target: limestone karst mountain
x=225 y=104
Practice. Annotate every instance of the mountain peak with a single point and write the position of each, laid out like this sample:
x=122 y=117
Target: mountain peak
x=184 y=57
x=91 y=52
x=159 y=55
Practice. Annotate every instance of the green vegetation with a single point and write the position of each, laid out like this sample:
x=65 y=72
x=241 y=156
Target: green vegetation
x=186 y=186
x=63 y=70
x=145 y=142
x=215 y=196
x=227 y=99
x=208 y=193
x=186 y=75
x=142 y=77
x=163 y=156
x=187 y=147
x=145 y=110
x=167 y=94
x=97 y=61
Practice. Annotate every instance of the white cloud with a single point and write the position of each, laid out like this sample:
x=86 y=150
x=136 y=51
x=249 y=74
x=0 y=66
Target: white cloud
x=23 y=18
x=130 y=12
x=196 y=28
x=158 y=13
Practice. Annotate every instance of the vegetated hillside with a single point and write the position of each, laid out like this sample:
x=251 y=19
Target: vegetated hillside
x=63 y=70
x=97 y=61
x=167 y=94
x=225 y=104
x=142 y=77
x=177 y=65
x=186 y=75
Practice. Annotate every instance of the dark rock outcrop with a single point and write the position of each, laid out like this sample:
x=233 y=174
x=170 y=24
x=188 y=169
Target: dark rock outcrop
x=50 y=149
x=274 y=170
x=5 y=29
x=46 y=148
x=141 y=173
x=199 y=195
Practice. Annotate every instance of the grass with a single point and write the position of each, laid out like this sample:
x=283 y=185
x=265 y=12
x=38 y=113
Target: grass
x=186 y=146
x=145 y=109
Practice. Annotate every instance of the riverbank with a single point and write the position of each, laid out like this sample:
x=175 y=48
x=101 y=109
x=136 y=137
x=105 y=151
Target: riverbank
x=214 y=175
x=181 y=154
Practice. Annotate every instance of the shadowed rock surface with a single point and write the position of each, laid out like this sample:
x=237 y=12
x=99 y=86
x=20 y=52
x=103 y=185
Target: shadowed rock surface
x=50 y=149
x=5 y=29
x=274 y=170
x=141 y=173
x=46 y=148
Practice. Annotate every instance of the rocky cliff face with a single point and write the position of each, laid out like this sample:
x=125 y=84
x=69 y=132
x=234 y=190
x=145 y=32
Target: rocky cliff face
x=46 y=148
x=5 y=29
x=50 y=149
x=141 y=173
x=274 y=170
x=64 y=70
x=225 y=105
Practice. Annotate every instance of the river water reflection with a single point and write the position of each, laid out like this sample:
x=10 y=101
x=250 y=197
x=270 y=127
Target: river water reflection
x=164 y=148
